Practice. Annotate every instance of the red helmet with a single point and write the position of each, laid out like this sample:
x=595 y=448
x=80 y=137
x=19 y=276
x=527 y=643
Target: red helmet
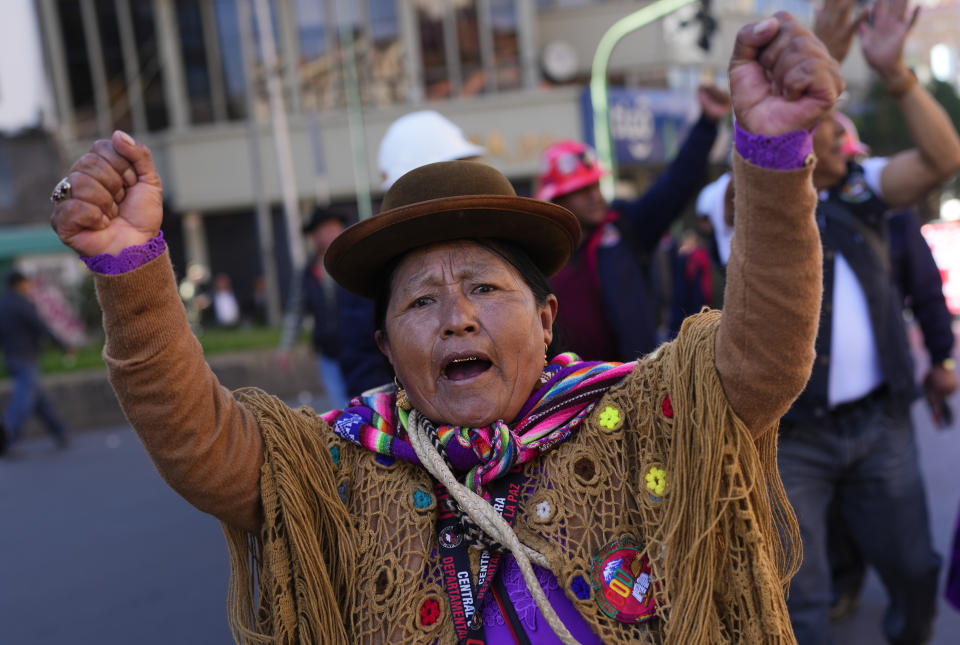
x=852 y=145
x=565 y=167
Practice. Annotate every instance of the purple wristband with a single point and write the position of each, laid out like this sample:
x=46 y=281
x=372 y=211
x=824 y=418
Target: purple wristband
x=129 y=258
x=785 y=152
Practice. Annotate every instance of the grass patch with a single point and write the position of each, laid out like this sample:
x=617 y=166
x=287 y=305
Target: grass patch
x=213 y=341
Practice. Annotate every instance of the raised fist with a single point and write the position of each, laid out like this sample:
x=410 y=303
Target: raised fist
x=114 y=199
x=782 y=78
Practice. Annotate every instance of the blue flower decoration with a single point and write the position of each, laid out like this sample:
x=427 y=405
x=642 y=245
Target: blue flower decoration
x=422 y=499
x=335 y=455
x=580 y=588
x=342 y=491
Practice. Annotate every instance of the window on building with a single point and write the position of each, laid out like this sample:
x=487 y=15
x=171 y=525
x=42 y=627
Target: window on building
x=318 y=67
x=8 y=197
x=78 y=68
x=118 y=93
x=387 y=82
x=194 y=56
x=550 y=4
x=472 y=74
x=436 y=75
x=506 y=48
x=151 y=67
x=231 y=57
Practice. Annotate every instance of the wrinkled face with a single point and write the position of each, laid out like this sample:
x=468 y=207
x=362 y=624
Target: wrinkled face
x=587 y=204
x=465 y=334
x=828 y=146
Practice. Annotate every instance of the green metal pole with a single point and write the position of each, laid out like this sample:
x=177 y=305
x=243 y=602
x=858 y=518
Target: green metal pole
x=598 y=79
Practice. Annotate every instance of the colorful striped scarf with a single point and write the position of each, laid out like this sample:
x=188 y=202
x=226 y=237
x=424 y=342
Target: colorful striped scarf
x=549 y=417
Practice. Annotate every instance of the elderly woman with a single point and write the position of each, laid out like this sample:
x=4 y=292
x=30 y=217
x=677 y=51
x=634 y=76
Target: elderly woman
x=496 y=493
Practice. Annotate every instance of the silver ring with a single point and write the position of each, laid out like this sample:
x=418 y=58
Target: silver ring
x=61 y=191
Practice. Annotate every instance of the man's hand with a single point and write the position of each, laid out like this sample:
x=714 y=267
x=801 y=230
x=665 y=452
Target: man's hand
x=714 y=102
x=938 y=385
x=835 y=24
x=882 y=38
x=782 y=78
x=116 y=199
x=940 y=380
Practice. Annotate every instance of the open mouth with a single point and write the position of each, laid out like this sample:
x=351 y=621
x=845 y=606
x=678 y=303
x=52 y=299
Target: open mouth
x=465 y=367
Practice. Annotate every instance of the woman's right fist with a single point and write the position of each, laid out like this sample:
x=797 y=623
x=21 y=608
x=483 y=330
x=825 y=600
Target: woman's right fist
x=115 y=199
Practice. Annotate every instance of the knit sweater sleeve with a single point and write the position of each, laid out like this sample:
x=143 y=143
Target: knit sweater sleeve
x=765 y=342
x=203 y=443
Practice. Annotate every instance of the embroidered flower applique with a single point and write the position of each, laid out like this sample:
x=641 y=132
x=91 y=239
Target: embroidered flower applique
x=667 y=408
x=544 y=510
x=610 y=417
x=656 y=481
x=429 y=611
x=335 y=455
x=580 y=588
x=422 y=499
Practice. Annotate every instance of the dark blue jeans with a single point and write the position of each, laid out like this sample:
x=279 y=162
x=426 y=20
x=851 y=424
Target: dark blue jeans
x=866 y=460
x=28 y=397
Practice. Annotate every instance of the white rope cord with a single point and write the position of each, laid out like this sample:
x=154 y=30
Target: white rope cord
x=478 y=509
x=484 y=515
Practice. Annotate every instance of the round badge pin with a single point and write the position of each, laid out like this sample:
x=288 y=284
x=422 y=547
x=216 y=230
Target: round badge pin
x=622 y=582
x=450 y=538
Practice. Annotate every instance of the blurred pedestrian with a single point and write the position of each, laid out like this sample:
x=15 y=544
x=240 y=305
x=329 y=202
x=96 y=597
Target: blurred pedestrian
x=22 y=333
x=411 y=141
x=610 y=304
x=847 y=444
x=319 y=297
x=694 y=278
x=226 y=309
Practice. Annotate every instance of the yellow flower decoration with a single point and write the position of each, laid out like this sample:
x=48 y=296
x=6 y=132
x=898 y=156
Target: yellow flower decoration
x=610 y=417
x=656 y=480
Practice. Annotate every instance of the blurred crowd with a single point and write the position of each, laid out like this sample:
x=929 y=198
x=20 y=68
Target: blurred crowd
x=847 y=452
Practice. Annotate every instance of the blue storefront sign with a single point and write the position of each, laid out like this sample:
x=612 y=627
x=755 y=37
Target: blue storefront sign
x=646 y=125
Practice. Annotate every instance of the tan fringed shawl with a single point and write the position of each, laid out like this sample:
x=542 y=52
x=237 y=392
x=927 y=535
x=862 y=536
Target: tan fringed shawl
x=345 y=554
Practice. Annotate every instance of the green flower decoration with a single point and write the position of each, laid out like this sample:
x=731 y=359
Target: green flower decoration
x=610 y=417
x=657 y=480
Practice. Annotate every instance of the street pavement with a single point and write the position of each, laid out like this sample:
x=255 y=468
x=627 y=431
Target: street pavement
x=96 y=549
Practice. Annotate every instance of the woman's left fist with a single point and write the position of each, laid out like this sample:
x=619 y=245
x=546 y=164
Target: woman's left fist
x=782 y=78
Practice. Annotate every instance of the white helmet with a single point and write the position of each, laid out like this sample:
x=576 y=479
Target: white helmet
x=419 y=138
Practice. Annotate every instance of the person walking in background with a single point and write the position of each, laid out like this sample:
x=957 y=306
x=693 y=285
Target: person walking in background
x=319 y=297
x=22 y=332
x=847 y=444
x=226 y=309
x=413 y=140
x=610 y=307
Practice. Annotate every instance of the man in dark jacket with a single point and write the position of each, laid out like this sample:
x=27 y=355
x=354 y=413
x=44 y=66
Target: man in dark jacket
x=847 y=443
x=21 y=333
x=319 y=297
x=609 y=307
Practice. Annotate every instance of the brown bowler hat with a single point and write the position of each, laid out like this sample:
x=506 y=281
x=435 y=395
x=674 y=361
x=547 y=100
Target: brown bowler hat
x=450 y=200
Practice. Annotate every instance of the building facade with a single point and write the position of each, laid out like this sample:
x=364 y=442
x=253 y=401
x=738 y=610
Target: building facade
x=192 y=79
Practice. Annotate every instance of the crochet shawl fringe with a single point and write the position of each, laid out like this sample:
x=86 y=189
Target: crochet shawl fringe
x=301 y=564
x=744 y=519
x=727 y=538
